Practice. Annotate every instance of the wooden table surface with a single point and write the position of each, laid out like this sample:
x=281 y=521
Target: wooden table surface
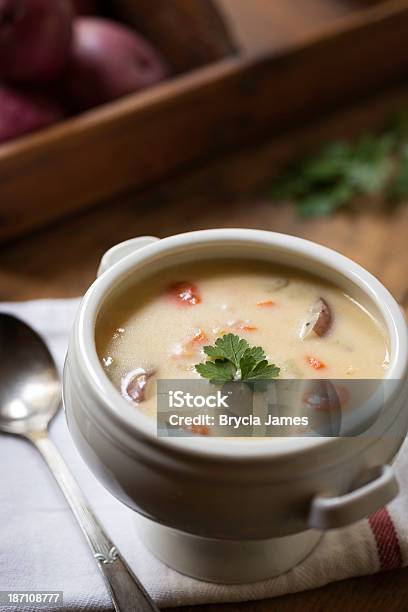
x=61 y=261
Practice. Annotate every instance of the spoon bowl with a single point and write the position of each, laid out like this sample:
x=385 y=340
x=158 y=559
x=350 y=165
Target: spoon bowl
x=30 y=389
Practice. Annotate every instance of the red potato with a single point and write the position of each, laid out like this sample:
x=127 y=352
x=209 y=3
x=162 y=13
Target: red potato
x=22 y=112
x=35 y=37
x=108 y=60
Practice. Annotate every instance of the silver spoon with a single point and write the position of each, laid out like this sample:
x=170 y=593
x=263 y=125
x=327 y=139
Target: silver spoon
x=30 y=395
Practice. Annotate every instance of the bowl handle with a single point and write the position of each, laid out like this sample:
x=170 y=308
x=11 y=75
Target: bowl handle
x=117 y=252
x=333 y=512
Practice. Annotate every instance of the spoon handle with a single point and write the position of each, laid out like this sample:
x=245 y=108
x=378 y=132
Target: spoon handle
x=128 y=595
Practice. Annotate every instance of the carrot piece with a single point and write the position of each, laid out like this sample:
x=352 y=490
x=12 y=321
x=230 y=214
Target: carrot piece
x=315 y=363
x=266 y=303
x=185 y=293
x=240 y=325
x=181 y=353
x=200 y=430
x=187 y=349
x=199 y=337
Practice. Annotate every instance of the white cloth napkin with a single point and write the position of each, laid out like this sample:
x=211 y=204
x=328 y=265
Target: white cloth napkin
x=42 y=548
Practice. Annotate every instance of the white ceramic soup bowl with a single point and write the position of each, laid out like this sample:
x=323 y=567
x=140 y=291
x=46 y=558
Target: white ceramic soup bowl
x=231 y=510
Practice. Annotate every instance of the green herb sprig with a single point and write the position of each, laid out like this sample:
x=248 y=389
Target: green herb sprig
x=232 y=358
x=376 y=164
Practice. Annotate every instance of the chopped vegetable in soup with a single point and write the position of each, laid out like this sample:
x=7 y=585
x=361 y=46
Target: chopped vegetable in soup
x=306 y=327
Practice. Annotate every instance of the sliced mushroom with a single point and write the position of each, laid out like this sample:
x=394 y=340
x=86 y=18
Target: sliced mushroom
x=325 y=414
x=134 y=384
x=276 y=284
x=319 y=320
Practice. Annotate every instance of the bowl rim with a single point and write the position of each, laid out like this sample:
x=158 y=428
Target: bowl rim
x=136 y=423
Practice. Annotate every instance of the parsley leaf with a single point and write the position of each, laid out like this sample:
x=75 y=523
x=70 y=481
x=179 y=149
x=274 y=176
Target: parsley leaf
x=399 y=189
x=375 y=164
x=218 y=371
x=325 y=202
x=232 y=358
x=256 y=352
x=370 y=164
x=229 y=347
x=262 y=371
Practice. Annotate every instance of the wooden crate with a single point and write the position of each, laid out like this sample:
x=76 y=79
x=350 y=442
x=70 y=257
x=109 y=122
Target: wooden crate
x=260 y=66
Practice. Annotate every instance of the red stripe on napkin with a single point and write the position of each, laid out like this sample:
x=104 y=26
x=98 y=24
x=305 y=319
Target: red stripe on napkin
x=386 y=538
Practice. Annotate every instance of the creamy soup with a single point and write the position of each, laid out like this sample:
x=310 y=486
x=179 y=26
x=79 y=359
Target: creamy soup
x=307 y=327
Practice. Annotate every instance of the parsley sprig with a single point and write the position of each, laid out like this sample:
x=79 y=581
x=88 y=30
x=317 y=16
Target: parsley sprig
x=232 y=358
x=375 y=164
